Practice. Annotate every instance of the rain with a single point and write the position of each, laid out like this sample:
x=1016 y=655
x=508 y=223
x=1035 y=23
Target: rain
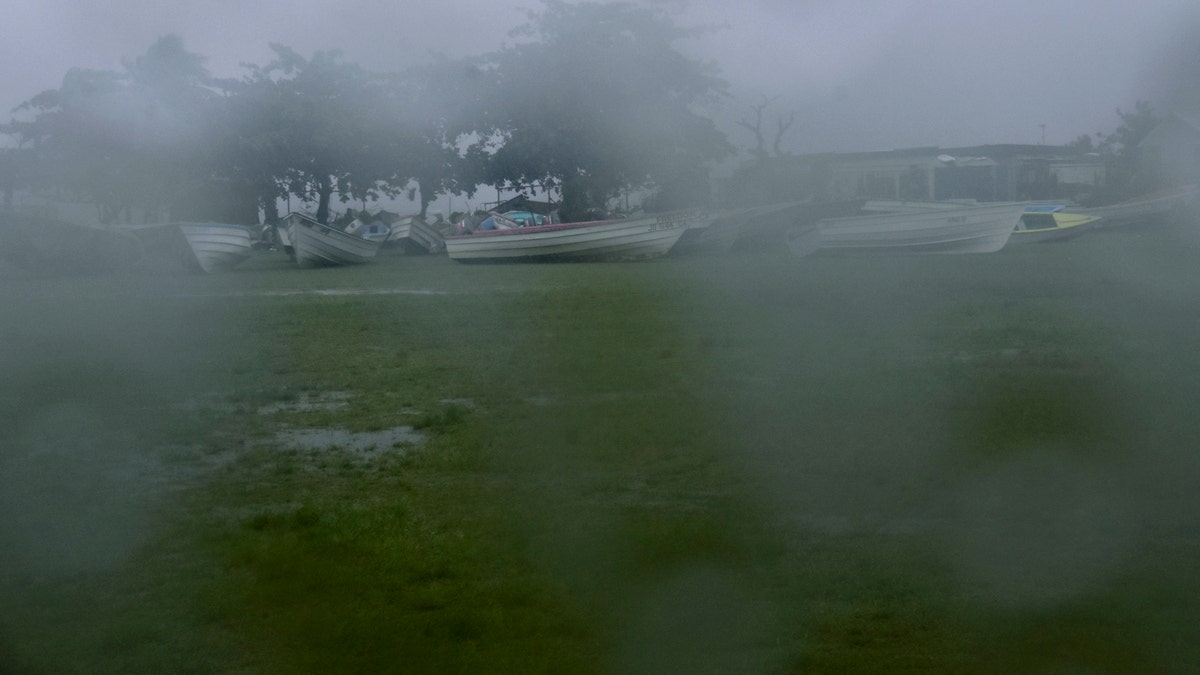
x=833 y=399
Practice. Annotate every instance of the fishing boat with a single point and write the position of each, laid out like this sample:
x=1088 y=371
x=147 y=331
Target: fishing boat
x=414 y=235
x=723 y=230
x=197 y=247
x=769 y=227
x=281 y=236
x=376 y=231
x=217 y=246
x=758 y=227
x=1049 y=222
x=635 y=238
x=984 y=228
x=315 y=244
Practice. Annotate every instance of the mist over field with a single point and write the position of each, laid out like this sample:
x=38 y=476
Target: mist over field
x=860 y=75
x=742 y=461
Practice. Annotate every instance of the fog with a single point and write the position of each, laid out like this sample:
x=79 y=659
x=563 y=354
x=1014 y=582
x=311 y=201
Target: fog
x=1044 y=525
x=861 y=75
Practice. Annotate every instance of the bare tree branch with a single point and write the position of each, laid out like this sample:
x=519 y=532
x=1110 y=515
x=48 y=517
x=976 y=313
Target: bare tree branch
x=759 y=150
x=781 y=128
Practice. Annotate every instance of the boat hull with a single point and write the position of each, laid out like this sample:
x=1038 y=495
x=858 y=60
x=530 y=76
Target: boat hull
x=764 y=226
x=603 y=241
x=415 y=236
x=217 y=246
x=194 y=247
x=1040 y=227
x=317 y=245
x=972 y=229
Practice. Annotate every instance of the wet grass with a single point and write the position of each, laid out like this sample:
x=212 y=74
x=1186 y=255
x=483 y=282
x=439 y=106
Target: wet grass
x=745 y=463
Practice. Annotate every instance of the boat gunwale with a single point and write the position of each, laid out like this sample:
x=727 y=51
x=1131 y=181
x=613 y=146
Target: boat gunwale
x=646 y=219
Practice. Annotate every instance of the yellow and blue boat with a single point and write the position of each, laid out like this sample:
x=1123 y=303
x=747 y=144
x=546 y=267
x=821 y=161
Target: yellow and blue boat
x=1048 y=222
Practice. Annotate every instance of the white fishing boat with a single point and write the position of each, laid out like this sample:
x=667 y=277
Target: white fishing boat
x=217 y=246
x=637 y=238
x=983 y=228
x=908 y=206
x=284 y=234
x=315 y=244
x=197 y=247
x=768 y=226
x=415 y=236
x=376 y=231
x=759 y=226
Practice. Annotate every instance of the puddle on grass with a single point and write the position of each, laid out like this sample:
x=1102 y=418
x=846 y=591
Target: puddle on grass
x=463 y=402
x=367 y=442
x=547 y=401
x=330 y=400
x=339 y=292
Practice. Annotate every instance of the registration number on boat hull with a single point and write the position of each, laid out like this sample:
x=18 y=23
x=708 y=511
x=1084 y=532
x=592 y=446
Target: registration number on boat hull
x=670 y=221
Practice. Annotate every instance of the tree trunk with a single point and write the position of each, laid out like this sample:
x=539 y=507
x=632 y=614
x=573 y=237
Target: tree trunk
x=324 y=192
x=426 y=198
x=270 y=207
x=576 y=200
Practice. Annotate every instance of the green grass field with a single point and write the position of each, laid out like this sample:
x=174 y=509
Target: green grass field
x=741 y=463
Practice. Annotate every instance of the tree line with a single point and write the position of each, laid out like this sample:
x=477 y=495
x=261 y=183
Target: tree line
x=592 y=99
x=1126 y=175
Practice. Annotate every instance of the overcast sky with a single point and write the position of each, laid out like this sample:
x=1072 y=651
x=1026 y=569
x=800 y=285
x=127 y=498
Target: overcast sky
x=860 y=75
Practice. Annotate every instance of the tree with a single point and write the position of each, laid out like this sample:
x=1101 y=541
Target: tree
x=249 y=145
x=315 y=126
x=756 y=127
x=433 y=108
x=172 y=149
x=75 y=140
x=121 y=140
x=598 y=100
x=1082 y=145
x=1124 y=177
x=13 y=161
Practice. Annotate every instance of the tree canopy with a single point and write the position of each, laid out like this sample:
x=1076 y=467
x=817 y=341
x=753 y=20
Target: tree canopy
x=122 y=139
x=599 y=99
x=590 y=98
x=320 y=124
x=1124 y=177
